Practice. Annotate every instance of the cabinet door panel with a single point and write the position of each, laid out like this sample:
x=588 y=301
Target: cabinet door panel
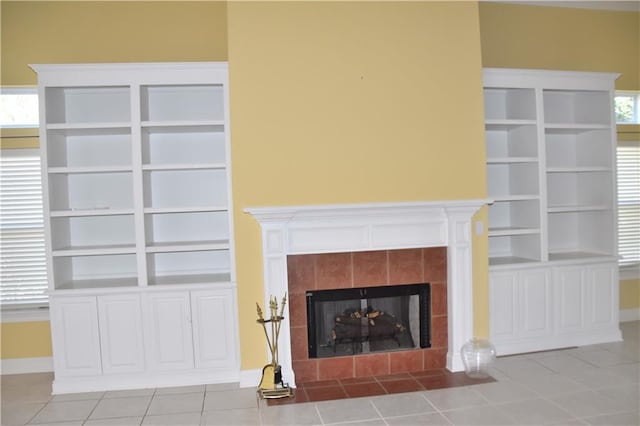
x=213 y=329
x=571 y=298
x=76 y=345
x=535 y=302
x=602 y=285
x=121 y=333
x=503 y=302
x=168 y=325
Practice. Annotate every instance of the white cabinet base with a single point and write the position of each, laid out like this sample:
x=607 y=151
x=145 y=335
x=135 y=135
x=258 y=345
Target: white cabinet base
x=553 y=306
x=140 y=339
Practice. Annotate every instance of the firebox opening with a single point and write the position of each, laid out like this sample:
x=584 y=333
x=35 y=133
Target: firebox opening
x=353 y=321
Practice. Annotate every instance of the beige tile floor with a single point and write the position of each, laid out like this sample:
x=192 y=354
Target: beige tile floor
x=592 y=385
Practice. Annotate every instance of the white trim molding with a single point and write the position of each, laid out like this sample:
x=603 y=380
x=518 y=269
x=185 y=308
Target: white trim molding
x=361 y=227
x=632 y=314
x=614 y=5
x=24 y=315
x=250 y=378
x=26 y=365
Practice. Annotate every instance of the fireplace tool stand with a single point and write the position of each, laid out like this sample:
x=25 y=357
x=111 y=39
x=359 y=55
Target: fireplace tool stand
x=271 y=385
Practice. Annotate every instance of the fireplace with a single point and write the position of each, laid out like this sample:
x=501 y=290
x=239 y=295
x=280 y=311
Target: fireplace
x=376 y=273
x=366 y=320
x=351 y=229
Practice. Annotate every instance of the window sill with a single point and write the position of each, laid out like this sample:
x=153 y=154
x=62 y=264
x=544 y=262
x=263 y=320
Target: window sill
x=630 y=272
x=33 y=314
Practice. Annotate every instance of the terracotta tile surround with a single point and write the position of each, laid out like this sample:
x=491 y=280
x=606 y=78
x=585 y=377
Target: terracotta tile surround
x=366 y=269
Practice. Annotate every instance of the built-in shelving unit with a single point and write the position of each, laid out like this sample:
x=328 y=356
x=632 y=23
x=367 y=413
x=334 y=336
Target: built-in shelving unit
x=109 y=146
x=512 y=172
x=550 y=144
x=136 y=170
x=580 y=173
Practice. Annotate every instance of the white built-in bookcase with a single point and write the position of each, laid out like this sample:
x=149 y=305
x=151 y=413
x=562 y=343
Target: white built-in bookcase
x=138 y=224
x=550 y=144
x=550 y=167
x=137 y=176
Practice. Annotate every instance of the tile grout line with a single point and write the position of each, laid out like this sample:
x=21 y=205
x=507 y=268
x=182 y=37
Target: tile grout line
x=315 y=405
x=155 y=391
x=377 y=411
x=424 y=395
x=38 y=412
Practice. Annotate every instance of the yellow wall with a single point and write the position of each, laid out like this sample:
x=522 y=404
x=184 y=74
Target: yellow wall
x=349 y=103
x=74 y=31
x=517 y=36
x=630 y=294
x=25 y=340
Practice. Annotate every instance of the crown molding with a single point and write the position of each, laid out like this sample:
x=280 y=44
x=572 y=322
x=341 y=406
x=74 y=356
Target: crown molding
x=620 y=6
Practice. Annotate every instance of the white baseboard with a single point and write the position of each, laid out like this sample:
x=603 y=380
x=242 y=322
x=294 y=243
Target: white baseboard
x=143 y=380
x=250 y=378
x=632 y=314
x=26 y=365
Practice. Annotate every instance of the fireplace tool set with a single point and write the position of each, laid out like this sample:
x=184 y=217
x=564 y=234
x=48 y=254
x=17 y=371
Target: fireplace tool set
x=271 y=385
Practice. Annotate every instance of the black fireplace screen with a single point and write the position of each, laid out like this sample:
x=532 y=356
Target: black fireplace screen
x=372 y=319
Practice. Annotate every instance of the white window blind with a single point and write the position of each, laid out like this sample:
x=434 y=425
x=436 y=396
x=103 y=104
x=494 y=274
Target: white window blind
x=23 y=275
x=628 y=154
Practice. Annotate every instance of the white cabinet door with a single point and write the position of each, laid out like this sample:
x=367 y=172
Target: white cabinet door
x=534 y=302
x=121 y=339
x=503 y=302
x=602 y=281
x=76 y=344
x=586 y=297
x=571 y=298
x=168 y=330
x=520 y=308
x=214 y=328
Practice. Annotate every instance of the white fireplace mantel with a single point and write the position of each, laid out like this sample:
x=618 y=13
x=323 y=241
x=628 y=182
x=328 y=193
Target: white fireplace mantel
x=383 y=226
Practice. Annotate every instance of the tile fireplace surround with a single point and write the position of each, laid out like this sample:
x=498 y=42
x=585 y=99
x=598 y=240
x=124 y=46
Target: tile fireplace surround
x=367 y=269
x=395 y=230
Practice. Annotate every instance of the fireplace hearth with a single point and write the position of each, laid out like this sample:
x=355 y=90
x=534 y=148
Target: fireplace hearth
x=364 y=320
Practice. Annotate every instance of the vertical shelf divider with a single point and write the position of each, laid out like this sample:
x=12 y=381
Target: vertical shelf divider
x=138 y=187
x=542 y=176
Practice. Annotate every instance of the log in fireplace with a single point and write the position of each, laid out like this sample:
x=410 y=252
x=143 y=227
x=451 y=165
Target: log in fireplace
x=369 y=319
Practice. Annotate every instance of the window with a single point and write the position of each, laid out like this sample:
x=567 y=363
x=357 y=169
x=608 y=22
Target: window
x=627 y=110
x=19 y=107
x=23 y=275
x=22 y=254
x=627 y=107
x=628 y=154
